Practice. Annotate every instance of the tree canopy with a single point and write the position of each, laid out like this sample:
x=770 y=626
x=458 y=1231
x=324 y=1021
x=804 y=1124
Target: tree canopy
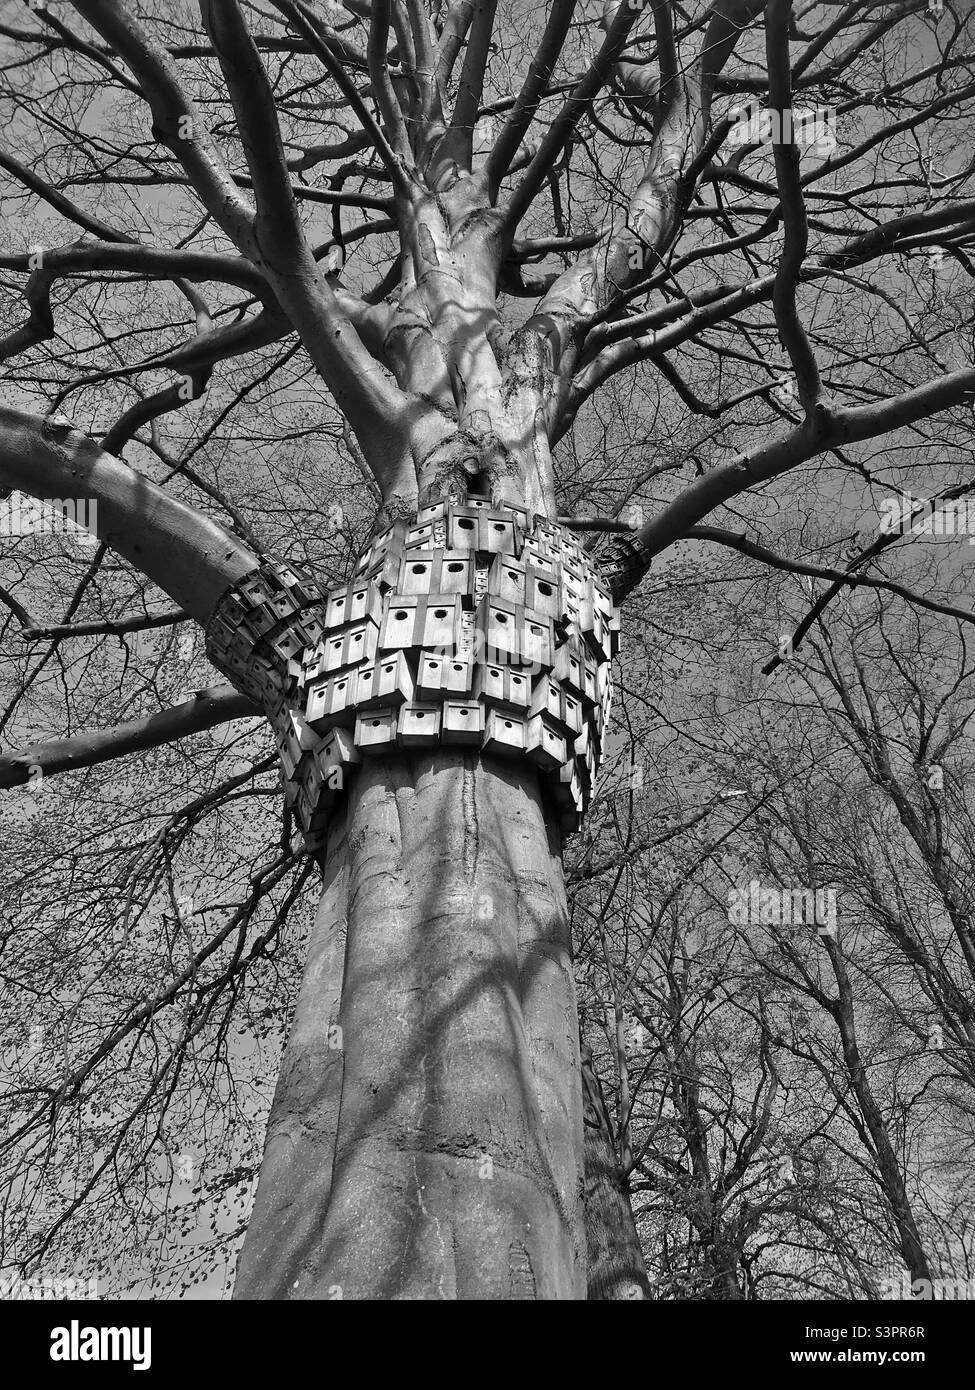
x=694 y=276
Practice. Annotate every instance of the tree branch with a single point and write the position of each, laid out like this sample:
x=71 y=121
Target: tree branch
x=208 y=708
x=105 y=627
x=177 y=121
x=791 y=332
x=188 y=556
x=814 y=436
x=529 y=98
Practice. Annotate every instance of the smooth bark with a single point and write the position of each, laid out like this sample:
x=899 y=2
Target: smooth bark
x=448 y=1161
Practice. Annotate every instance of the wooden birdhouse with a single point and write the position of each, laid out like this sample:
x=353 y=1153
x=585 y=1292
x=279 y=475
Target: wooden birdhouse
x=545 y=744
x=462 y=722
x=504 y=734
x=375 y=731
x=418 y=725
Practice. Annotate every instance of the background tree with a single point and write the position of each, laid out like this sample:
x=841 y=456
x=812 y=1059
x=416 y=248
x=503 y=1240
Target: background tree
x=444 y=248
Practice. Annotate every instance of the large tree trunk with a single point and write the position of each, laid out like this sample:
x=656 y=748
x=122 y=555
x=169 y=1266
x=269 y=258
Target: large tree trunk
x=438 y=1152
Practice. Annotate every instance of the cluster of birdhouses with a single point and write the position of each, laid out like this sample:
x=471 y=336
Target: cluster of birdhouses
x=262 y=626
x=475 y=627
x=626 y=564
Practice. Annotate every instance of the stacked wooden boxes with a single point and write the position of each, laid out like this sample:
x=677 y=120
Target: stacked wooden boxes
x=472 y=627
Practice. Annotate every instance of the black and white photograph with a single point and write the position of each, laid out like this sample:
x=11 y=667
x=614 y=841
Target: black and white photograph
x=487 y=634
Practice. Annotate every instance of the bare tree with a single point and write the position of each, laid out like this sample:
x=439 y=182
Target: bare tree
x=370 y=194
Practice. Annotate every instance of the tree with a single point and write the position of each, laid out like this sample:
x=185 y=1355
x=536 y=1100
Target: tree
x=426 y=1136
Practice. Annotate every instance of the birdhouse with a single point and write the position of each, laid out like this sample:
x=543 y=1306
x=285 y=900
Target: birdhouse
x=402 y=623
x=542 y=591
x=498 y=623
x=506 y=579
x=265 y=677
x=419 y=572
x=360 y=643
x=462 y=527
x=254 y=589
x=340 y=706
x=517 y=688
x=489 y=686
x=434 y=572
x=591 y=760
x=537 y=641
x=440 y=676
x=375 y=731
x=312 y=778
x=283 y=604
x=316 y=703
x=220 y=632
x=291 y=577
x=568 y=667
x=549 y=529
x=615 y=627
x=313 y=819
x=441 y=621
x=384 y=573
x=462 y=722
x=504 y=734
x=235 y=663
x=481 y=503
x=293 y=733
x=589 y=622
x=387 y=681
x=381 y=561
x=288 y=644
x=602 y=594
x=420 y=536
x=456 y=572
x=311 y=625
x=241 y=644
x=546 y=697
x=353 y=603
x=573 y=786
x=606 y=708
x=334 y=647
x=430 y=677
x=261 y=619
x=498 y=533
x=590 y=690
x=337 y=754
x=545 y=744
x=418 y=725
x=433 y=511
x=291 y=790
x=289 y=762
x=572 y=717
x=233 y=610
x=567 y=789
x=540 y=552
x=588 y=745
x=391 y=542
